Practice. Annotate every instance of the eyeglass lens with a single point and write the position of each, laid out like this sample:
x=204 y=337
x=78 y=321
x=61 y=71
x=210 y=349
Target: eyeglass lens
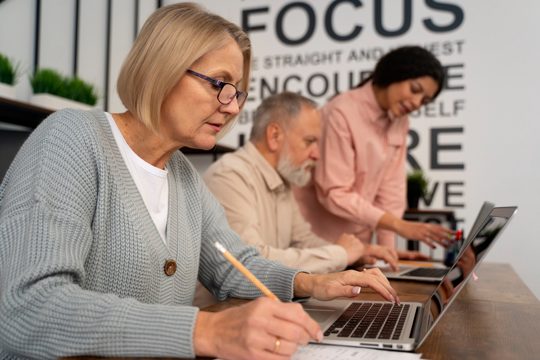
x=228 y=93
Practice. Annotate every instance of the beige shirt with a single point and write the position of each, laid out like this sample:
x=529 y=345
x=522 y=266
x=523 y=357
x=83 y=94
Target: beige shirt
x=261 y=208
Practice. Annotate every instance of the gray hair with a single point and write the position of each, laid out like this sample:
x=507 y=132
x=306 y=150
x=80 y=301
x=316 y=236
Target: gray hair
x=279 y=108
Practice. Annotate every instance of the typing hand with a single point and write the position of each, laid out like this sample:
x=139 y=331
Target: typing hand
x=260 y=329
x=353 y=246
x=378 y=252
x=346 y=283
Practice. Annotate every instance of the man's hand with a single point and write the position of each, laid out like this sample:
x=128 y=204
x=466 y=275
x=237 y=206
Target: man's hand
x=353 y=246
x=379 y=252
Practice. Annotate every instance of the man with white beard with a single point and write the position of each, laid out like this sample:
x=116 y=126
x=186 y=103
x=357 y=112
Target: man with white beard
x=254 y=186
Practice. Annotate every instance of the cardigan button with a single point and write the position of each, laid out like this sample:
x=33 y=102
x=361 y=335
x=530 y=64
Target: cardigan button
x=170 y=267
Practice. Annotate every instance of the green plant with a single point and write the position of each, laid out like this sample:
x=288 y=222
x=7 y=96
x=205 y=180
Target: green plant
x=417 y=184
x=47 y=81
x=52 y=82
x=79 y=90
x=417 y=177
x=8 y=71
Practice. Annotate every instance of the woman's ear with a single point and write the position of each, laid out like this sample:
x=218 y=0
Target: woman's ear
x=274 y=137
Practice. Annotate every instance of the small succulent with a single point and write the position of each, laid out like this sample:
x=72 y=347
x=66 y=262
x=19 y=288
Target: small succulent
x=52 y=82
x=8 y=71
x=417 y=187
x=417 y=177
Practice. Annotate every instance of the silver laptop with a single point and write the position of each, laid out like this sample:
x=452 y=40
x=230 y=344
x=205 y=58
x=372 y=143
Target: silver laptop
x=378 y=324
x=434 y=271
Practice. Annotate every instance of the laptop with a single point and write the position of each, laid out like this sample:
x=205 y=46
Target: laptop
x=434 y=271
x=383 y=325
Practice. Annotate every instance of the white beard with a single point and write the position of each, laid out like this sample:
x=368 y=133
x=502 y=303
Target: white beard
x=296 y=175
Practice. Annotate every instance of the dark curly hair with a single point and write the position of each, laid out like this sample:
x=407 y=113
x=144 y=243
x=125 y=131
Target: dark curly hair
x=406 y=62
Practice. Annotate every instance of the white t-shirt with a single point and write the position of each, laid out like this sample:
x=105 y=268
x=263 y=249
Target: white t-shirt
x=152 y=182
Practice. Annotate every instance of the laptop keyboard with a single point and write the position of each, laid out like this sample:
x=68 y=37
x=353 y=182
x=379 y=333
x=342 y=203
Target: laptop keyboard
x=371 y=321
x=428 y=272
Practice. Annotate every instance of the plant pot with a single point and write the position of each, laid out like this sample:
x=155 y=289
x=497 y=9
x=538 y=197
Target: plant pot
x=414 y=193
x=8 y=91
x=54 y=102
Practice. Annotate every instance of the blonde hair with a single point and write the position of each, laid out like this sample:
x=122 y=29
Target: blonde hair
x=171 y=40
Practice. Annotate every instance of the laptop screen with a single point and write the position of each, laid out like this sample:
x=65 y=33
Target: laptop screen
x=467 y=262
x=483 y=213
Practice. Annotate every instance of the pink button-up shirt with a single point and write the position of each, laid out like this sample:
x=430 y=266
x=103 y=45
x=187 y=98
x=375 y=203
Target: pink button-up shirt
x=361 y=172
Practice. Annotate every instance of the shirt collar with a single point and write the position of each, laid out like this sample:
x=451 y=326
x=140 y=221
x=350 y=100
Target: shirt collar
x=395 y=126
x=380 y=115
x=271 y=177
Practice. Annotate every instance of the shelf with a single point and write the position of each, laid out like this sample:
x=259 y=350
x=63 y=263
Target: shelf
x=22 y=113
x=28 y=115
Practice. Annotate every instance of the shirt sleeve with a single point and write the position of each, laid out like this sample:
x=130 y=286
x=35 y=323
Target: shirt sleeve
x=334 y=179
x=219 y=276
x=391 y=194
x=306 y=251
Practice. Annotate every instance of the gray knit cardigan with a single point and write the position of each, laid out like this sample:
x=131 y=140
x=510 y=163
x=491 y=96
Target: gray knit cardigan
x=81 y=262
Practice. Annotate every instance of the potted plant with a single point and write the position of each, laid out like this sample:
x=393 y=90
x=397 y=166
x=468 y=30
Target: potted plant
x=417 y=184
x=8 y=77
x=54 y=91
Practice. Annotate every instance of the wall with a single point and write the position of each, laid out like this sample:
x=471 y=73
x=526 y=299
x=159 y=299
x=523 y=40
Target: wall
x=476 y=142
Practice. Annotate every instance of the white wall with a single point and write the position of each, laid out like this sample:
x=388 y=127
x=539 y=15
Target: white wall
x=494 y=54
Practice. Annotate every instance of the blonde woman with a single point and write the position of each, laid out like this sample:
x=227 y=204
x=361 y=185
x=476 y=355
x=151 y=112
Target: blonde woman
x=106 y=227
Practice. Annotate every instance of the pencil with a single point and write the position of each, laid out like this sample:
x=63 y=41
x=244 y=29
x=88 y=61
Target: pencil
x=248 y=274
x=415 y=263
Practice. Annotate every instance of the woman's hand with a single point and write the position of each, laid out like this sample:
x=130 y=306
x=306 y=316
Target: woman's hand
x=431 y=234
x=346 y=283
x=260 y=329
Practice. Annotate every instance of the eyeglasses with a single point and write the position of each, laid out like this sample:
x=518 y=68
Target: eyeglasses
x=227 y=91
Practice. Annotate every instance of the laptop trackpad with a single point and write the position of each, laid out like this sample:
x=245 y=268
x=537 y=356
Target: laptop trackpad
x=324 y=311
x=321 y=315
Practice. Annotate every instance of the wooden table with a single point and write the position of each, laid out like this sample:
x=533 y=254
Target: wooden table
x=495 y=317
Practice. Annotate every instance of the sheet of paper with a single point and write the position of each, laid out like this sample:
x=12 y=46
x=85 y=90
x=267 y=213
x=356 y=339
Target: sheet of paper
x=327 y=352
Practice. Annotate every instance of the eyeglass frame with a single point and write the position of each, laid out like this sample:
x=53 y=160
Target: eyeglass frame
x=221 y=84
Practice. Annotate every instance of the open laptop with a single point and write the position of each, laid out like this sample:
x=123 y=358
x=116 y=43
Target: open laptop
x=433 y=271
x=383 y=325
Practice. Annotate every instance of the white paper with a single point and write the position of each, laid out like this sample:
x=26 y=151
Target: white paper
x=327 y=352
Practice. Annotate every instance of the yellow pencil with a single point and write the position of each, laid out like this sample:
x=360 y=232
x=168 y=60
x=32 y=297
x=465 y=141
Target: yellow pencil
x=248 y=274
x=415 y=263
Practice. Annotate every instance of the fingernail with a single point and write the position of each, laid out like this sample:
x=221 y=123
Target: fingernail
x=356 y=290
x=319 y=336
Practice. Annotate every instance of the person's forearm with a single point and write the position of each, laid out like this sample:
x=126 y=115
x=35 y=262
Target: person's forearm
x=389 y=222
x=203 y=344
x=303 y=285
